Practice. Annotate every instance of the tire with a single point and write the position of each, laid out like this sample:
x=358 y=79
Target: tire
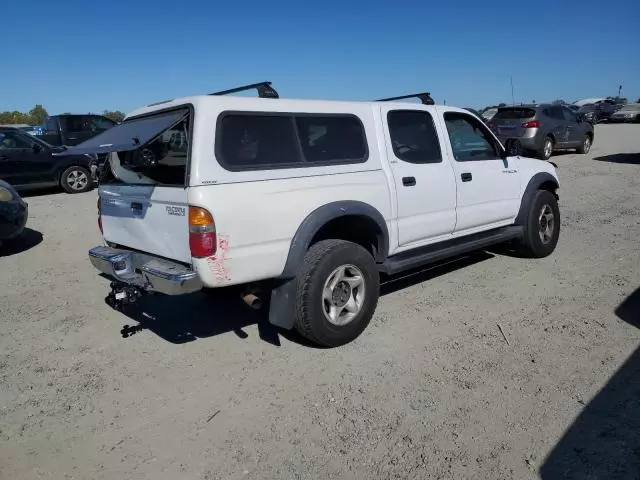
x=586 y=145
x=513 y=147
x=541 y=236
x=545 y=151
x=76 y=180
x=322 y=315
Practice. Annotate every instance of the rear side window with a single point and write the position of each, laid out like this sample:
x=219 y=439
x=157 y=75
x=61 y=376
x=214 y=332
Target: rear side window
x=253 y=140
x=514 y=113
x=77 y=123
x=554 y=112
x=413 y=136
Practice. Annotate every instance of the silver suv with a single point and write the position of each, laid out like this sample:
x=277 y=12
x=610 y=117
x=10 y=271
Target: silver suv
x=542 y=129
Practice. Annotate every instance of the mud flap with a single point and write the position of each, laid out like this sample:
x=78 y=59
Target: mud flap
x=282 y=308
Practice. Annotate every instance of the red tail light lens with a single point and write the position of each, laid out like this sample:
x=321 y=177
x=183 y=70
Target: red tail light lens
x=202 y=233
x=531 y=124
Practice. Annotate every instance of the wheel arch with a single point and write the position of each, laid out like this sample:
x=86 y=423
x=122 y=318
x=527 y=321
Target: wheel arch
x=349 y=220
x=540 y=181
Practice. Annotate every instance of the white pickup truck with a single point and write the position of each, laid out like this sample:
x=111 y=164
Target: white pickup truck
x=307 y=201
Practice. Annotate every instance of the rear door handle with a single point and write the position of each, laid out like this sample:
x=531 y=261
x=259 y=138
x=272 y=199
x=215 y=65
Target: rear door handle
x=466 y=177
x=408 y=181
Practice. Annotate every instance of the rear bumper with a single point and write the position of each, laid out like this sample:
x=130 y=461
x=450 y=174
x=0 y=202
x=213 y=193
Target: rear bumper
x=622 y=119
x=145 y=271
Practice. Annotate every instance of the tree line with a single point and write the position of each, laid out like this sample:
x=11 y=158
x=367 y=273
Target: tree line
x=38 y=113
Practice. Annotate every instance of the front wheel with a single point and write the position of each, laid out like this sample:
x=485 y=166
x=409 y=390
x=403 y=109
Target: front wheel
x=76 y=180
x=542 y=226
x=338 y=291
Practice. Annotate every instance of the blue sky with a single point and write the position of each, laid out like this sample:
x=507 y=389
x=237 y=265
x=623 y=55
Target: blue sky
x=82 y=56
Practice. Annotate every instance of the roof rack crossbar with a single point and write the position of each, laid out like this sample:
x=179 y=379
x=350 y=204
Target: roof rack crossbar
x=265 y=90
x=425 y=98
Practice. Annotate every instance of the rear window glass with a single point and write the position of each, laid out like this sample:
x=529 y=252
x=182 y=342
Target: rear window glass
x=162 y=160
x=266 y=140
x=517 y=113
x=413 y=136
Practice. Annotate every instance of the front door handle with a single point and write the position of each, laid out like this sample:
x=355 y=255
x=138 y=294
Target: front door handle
x=466 y=177
x=408 y=181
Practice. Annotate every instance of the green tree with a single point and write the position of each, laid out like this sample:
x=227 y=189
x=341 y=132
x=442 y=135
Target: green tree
x=37 y=115
x=116 y=116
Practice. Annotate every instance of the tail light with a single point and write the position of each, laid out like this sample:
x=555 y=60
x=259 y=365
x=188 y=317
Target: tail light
x=531 y=124
x=100 y=217
x=202 y=233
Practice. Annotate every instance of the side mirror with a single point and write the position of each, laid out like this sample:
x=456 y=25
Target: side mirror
x=37 y=147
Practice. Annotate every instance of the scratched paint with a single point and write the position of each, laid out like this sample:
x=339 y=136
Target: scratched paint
x=217 y=261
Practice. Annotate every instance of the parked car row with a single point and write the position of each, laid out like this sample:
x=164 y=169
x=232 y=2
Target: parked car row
x=592 y=110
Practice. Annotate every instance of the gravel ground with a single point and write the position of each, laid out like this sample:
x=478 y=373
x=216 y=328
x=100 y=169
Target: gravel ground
x=200 y=390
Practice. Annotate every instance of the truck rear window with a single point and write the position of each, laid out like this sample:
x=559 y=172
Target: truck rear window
x=263 y=140
x=163 y=160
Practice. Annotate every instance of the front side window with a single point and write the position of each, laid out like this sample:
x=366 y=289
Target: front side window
x=14 y=140
x=262 y=140
x=470 y=141
x=413 y=136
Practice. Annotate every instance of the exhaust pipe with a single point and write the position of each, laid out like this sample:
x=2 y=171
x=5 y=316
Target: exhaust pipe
x=252 y=300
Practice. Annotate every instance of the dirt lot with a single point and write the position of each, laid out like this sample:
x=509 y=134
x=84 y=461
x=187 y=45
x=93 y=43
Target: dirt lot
x=431 y=390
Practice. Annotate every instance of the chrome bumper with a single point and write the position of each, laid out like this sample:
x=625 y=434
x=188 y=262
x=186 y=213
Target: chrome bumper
x=145 y=271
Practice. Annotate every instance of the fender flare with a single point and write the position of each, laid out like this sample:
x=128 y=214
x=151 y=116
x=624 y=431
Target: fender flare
x=320 y=217
x=532 y=187
x=283 y=295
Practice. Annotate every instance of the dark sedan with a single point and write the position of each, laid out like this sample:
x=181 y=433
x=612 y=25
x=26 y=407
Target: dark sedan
x=28 y=163
x=13 y=212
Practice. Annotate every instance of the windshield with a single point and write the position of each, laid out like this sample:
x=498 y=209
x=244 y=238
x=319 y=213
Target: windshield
x=634 y=107
x=514 y=113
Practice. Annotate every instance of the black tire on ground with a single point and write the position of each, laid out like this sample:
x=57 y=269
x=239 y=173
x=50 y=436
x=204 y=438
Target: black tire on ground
x=349 y=298
x=544 y=153
x=542 y=226
x=76 y=179
x=586 y=145
x=513 y=147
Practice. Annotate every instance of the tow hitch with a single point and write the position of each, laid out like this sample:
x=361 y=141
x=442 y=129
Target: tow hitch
x=123 y=294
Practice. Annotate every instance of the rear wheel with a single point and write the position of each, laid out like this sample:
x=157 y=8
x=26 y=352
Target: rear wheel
x=76 y=180
x=547 y=148
x=338 y=291
x=586 y=145
x=542 y=226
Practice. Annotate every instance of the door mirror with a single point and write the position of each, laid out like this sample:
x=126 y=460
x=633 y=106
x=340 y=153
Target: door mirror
x=37 y=147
